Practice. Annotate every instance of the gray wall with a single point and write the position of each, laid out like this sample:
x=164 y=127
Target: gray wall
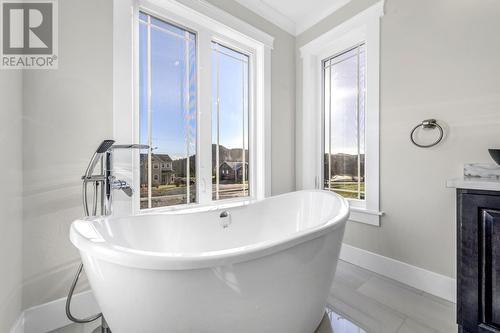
x=439 y=59
x=69 y=110
x=67 y=113
x=10 y=196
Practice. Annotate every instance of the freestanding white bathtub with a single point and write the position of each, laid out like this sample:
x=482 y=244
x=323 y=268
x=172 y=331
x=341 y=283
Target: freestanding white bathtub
x=266 y=268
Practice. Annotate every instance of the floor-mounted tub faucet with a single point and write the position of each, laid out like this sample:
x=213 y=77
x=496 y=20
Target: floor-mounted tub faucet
x=104 y=183
x=105 y=180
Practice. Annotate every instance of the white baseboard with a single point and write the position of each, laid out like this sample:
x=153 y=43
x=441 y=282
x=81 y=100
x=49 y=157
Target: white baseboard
x=50 y=316
x=433 y=283
x=18 y=326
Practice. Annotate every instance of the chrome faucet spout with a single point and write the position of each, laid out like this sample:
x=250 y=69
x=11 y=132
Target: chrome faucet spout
x=130 y=146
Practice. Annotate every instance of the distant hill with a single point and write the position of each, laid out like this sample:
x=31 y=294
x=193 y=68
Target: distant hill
x=179 y=166
x=228 y=154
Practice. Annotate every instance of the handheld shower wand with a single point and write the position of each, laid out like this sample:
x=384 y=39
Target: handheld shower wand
x=97 y=157
x=98 y=154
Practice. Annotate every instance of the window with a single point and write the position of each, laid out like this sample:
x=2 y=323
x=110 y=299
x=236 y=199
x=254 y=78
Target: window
x=192 y=125
x=229 y=121
x=339 y=145
x=167 y=109
x=344 y=123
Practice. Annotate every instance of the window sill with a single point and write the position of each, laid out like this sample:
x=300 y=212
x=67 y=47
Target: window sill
x=367 y=216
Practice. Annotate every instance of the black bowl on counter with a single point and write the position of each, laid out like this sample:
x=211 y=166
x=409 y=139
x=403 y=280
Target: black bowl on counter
x=495 y=155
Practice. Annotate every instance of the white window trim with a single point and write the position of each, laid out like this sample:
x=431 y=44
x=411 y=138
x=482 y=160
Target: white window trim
x=210 y=23
x=362 y=28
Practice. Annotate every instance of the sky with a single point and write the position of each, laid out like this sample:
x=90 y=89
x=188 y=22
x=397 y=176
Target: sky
x=341 y=92
x=171 y=118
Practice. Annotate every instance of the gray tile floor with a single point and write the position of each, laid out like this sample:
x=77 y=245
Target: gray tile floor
x=363 y=302
x=380 y=305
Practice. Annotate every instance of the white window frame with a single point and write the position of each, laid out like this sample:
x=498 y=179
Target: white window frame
x=210 y=24
x=362 y=28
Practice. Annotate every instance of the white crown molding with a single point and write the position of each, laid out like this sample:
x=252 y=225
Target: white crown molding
x=370 y=14
x=270 y=14
x=276 y=17
x=310 y=20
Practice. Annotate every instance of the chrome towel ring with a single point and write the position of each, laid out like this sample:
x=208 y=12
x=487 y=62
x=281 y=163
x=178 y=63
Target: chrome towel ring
x=427 y=124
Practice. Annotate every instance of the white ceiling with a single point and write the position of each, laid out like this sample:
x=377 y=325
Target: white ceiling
x=293 y=16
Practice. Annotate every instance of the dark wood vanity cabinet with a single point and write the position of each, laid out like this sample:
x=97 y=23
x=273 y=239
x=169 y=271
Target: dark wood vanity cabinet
x=478 y=261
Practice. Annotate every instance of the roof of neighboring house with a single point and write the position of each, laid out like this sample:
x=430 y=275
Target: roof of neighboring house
x=235 y=165
x=157 y=158
x=161 y=157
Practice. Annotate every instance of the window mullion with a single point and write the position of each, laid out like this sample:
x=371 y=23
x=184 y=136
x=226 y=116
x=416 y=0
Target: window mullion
x=149 y=81
x=187 y=116
x=204 y=144
x=217 y=147
x=330 y=69
x=243 y=153
x=358 y=122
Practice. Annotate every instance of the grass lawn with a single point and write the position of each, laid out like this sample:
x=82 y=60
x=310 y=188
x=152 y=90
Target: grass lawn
x=348 y=189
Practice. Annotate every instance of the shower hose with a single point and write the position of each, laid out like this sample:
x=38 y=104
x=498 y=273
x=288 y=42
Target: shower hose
x=104 y=327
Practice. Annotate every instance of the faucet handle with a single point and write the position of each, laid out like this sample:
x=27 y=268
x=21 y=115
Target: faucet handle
x=118 y=184
x=128 y=191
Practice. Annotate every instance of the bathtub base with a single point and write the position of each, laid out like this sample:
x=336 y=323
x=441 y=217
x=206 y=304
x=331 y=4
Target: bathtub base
x=283 y=292
x=324 y=327
x=100 y=329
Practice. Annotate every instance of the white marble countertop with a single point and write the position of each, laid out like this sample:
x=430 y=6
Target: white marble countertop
x=475 y=183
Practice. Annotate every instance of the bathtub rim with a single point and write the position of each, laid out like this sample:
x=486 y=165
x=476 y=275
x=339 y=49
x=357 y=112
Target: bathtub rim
x=143 y=259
